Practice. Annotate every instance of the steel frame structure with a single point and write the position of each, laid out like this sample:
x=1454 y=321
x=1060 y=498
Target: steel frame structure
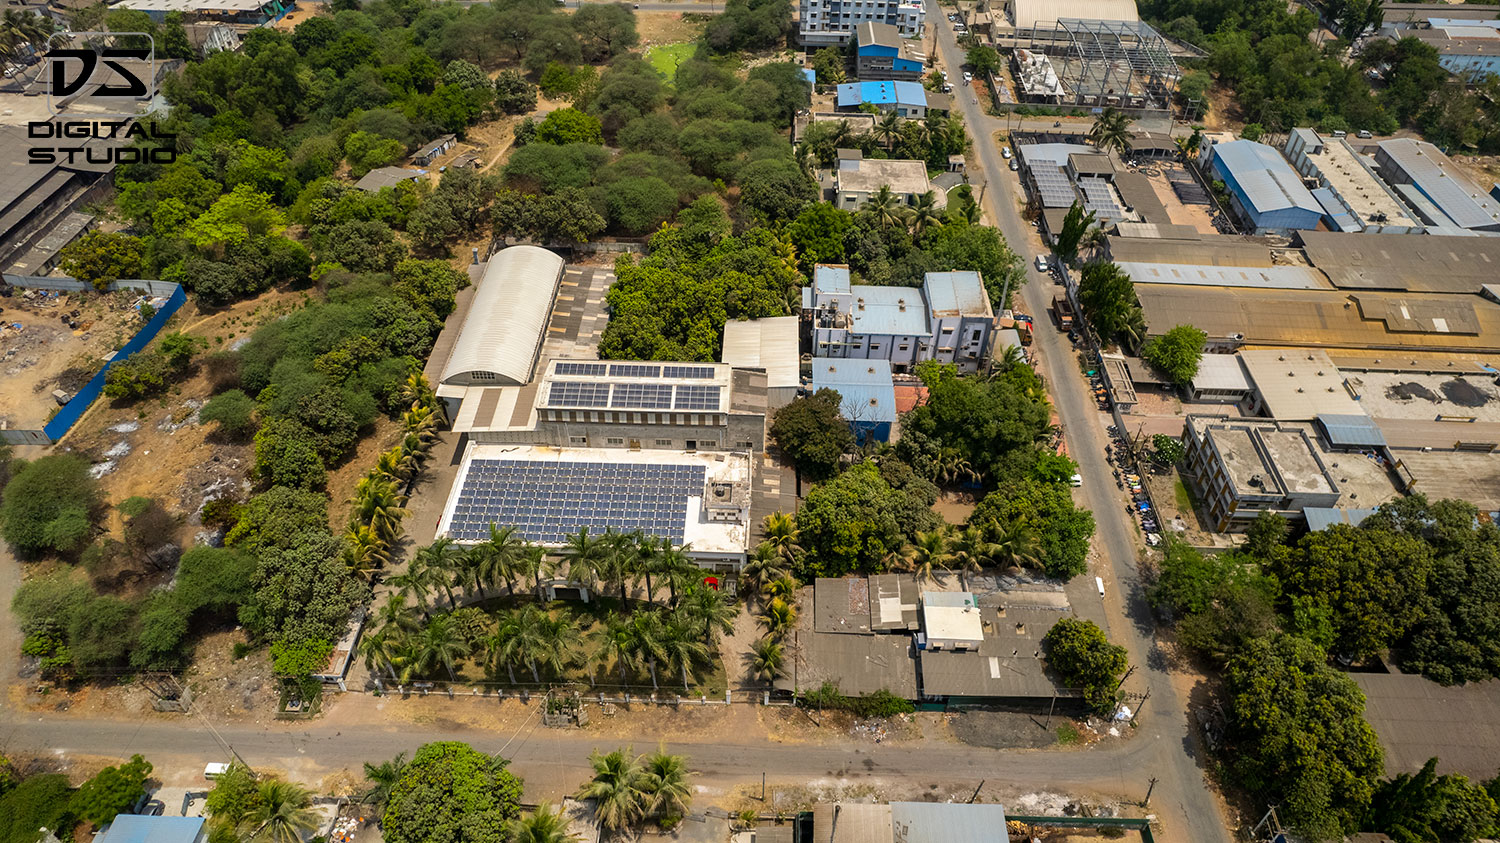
x=1125 y=64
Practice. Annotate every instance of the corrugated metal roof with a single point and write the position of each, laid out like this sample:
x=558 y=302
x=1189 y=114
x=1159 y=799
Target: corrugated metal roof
x=1323 y=517
x=1267 y=180
x=865 y=386
x=1262 y=277
x=504 y=328
x=1031 y=12
x=770 y=344
x=134 y=828
x=945 y=822
x=877 y=34
x=892 y=311
x=956 y=294
x=1334 y=210
x=1427 y=263
x=1351 y=431
x=1052 y=153
x=831 y=278
x=383 y=177
x=882 y=92
x=1221 y=372
x=1449 y=189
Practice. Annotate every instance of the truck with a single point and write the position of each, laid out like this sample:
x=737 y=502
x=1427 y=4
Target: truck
x=1062 y=311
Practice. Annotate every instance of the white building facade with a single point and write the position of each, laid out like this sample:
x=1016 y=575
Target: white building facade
x=831 y=23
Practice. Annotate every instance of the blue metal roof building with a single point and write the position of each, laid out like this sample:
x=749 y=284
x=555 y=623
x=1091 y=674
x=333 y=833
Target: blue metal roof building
x=884 y=94
x=133 y=828
x=810 y=75
x=1263 y=187
x=869 y=396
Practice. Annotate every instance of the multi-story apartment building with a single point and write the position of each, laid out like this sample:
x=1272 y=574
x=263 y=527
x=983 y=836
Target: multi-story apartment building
x=825 y=23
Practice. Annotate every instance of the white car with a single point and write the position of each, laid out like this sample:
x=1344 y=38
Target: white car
x=1005 y=151
x=1041 y=263
x=1075 y=481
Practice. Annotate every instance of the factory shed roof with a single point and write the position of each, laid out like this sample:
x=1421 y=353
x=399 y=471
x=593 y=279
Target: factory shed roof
x=1420 y=263
x=142 y=828
x=1221 y=373
x=882 y=92
x=1298 y=385
x=1323 y=517
x=857 y=664
x=841 y=605
x=770 y=344
x=1029 y=13
x=831 y=278
x=1008 y=664
x=1137 y=192
x=944 y=822
x=1433 y=173
x=893 y=603
x=1261 y=277
x=382 y=177
x=507 y=319
x=1210 y=250
x=889 y=311
x=1267 y=180
x=1350 y=431
x=865 y=387
x=1417 y=719
x=877 y=34
x=956 y=294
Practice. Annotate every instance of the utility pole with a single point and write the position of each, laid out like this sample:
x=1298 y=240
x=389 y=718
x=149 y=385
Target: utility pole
x=1146 y=803
x=1140 y=706
x=1123 y=678
x=975 y=794
x=763 y=786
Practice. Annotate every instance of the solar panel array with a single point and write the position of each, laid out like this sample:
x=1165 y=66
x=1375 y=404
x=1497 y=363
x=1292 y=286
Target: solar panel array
x=1099 y=196
x=642 y=396
x=578 y=394
x=634 y=395
x=1055 y=187
x=592 y=370
x=548 y=501
x=697 y=398
x=694 y=372
x=633 y=370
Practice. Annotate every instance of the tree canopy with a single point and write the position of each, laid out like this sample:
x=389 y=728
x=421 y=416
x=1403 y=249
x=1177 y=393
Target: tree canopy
x=813 y=433
x=451 y=793
x=1176 y=353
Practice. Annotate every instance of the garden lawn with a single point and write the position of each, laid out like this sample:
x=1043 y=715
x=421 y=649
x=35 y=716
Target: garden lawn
x=666 y=57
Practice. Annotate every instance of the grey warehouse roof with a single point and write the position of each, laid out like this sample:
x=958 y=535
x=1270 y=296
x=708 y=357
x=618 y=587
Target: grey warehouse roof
x=770 y=344
x=1432 y=172
x=1268 y=181
x=1350 y=431
x=504 y=328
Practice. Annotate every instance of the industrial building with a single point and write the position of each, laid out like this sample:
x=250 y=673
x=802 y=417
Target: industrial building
x=906 y=99
x=1295 y=384
x=906 y=822
x=1466 y=37
x=1416 y=719
x=1220 y=378
x=506 y=322
x=1440 y=192
x=857 y=178
x=771 y=345
x=867 y=393
x=1091 y=60
x=431 y=151
x=1059 y=175
x=382 y=177
x=36 y=199
x=831 y=23
x=1352 y=196
x=882 y=53
x=949 y=319
x=1026 y=14
x=243 y=12
x=1263 y=188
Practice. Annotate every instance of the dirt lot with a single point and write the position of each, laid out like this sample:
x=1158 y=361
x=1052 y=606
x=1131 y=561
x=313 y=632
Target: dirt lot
x=666 y=27
x=45 y=354
x=1198 y=216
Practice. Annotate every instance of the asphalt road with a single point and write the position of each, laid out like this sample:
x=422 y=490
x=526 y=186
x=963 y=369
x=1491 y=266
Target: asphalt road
x=1181 y=795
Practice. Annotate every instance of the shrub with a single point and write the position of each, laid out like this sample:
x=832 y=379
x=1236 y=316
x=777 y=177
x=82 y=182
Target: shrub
x=233 y=410
x=141 y=374
x=37 y=802
x=882 y=703
x=50 y=505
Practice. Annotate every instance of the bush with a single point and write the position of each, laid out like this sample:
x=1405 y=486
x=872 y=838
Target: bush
x=233 y=410
x=286 y=454
x=50 y=505
x=113 y=791
x=141 y=374
x=882 y=703
x=37 y=802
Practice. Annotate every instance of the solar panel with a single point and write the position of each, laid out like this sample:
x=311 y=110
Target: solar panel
x=697 y=398
x=649 y=396
x=697 y=372
x=592 y=370
x=634 y=370
x=578 y=394
x=547 y=501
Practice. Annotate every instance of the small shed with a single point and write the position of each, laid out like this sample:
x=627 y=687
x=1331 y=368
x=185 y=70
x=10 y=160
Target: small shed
x=771 y=344
x=432 y=150
x=1221 y=379
x=1350 y=432
x=869 y=395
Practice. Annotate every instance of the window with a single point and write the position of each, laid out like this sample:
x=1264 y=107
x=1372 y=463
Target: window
x=663 y=443
x=905 y=347
x=746 y=444
x=874 y=346
x=947 y=330
x=613 y=440
x=578 y=440
x=482 y=376
x=974 y=337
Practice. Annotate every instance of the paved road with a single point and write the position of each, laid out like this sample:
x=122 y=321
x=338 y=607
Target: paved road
x=697 y=7
x=1181 y=796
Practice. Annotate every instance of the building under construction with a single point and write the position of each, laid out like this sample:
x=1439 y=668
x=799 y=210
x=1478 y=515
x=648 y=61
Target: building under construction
x=1100 y=63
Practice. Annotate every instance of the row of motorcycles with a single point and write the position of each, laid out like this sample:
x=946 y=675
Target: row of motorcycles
x=1117 y=452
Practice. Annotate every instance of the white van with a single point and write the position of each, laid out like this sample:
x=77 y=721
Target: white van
x=213 y=771
x=1041 y=263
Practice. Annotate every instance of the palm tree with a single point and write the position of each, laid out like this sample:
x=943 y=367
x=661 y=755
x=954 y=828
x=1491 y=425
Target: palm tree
x=664 y=784
x=764 y=566
x=1017 y=546
x=441 y=562
x=418 y=582
x=781 y=533
x=1094 y=240
x=396 y=616
x=925 y=214
x=678 y=569
x=19 y=27
x=615 y=562
x=418 y=392
x=884 y=207
x=382 y=778
x=1133 y=328
x=378 y=504
x=501 y=645
x=439 y=643
x=364 y=553
x=542 y=826
x=537 y=640
x=501 y=558
x=281 y=815
x=529 y=564
x=971 y=550
x=681 y=646
x=783 y=588
x=582 y=552
x=887 y=129
x=391 y=465
x=647 y=633
x=779 y=618
x=1111 y=131
x=766 y=656
x=649 y=559
x=929 y=552
x=842 y=134
x=383 y=649
x=615 y=789
x=708 y=611
x=614 y=640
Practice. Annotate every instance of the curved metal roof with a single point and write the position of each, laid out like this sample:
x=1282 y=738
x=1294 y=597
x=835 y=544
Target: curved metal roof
x=507 y=320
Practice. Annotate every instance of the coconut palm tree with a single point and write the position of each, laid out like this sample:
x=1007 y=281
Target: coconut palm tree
x=390 y=465
x=530 y=563
x=382 y=649
x=781 y=533
x=764 y=566
x=766 y=656
x=614 y=641
x=419 y=581
x=615 y=562
x=679 y=641
x=779 y=618
x=887 y=129
x=542 y=826
x=439 y=643
x=583 y=552
x=884 y=207
x=281 y=815
x=615 y=789
x=929 y=552
x=501 y=646
x=1093 y=241
x=842 y=135
x=396 y=616
x=501 y=558
x=379 y=505
x=972 y=548
x=924 y=214
x=807 y=159
x=783 y=588
x=647 y=632
x=1111 y=131
x=1133 y=328
x=678 y=570
x=650 y=559
x=664 y=787
x=364 y=553
x=710 y=613
x=441 y=562
x=417 y=391
x=536 y=640
x=1016 y=545
x=382 y=777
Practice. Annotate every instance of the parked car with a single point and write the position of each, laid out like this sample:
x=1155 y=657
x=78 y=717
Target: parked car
x=1075 y=481
x=1005 y=151
x=1041 y=263
x=1365 y=133
x=1014 y=165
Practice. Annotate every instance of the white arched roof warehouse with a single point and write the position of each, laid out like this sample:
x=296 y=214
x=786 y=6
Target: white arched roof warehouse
x=507 y=321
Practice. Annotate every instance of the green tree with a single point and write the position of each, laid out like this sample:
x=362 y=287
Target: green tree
x=1075 y=223
x=233 y=796
x=233 y=410
x=818 y=234
x=615 y=789
x=983 y=60
x=1107 y=295
x=813 y=433
x=1300 y=735
x=513 y=94
x=1429 y=808
x=102 y=257
x=112 y=791
x=282 y=813
x=776 y=187
x=850 y=524
x=1086 y=660
x=828 y=64
x=452 y=793
x=1111 y=131
x=1168 y=451
x=40 y=801
x=569 y=125
x=1046 y=510
x=605 y=30
x=50 y=506
x=286 y=454
x=1176 y=353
